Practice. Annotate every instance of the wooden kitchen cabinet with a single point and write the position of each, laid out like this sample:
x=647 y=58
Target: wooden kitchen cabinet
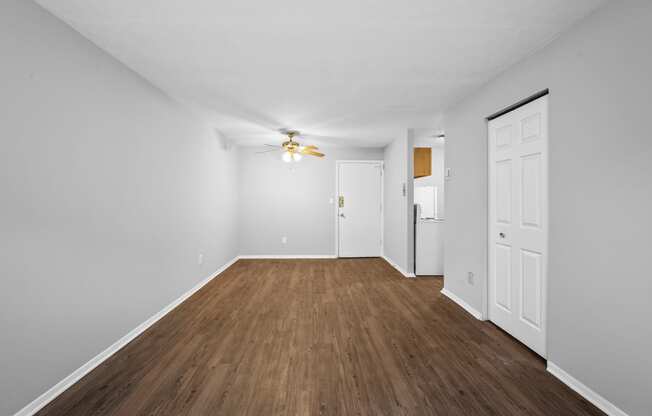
x=422 y=162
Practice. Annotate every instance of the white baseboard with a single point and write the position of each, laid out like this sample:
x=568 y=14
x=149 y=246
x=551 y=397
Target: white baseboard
x=470 y=309
x=397 y=267
x=584 y=391
x=45 y=398
x=287 y=256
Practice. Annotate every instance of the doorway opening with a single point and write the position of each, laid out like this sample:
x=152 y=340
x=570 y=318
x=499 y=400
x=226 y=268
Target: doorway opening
x=429 y=161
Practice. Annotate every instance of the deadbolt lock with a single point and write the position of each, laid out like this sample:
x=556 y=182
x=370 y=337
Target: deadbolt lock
x=340 y=202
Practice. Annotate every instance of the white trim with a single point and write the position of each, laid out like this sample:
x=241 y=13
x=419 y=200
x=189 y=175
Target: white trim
x=382 y=202
x=287 y=256
x=397 y=267
x=45 y=398
x=584 y=391
x=470 y=309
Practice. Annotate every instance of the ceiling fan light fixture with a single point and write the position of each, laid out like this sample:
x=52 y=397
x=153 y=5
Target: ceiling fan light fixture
x=294 y=151
x=289 y=157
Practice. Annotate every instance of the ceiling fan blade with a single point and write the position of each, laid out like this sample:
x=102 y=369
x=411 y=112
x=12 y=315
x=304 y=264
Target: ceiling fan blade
x=272 y=145
x=267 y=151
x=311 y=147
x=312 y=153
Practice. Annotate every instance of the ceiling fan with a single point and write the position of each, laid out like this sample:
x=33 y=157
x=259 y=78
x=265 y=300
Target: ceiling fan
x=294 y=151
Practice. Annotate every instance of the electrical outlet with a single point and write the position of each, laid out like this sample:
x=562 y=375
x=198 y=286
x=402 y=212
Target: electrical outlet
x=284 y=240
x=470 y=279
x=200 y=259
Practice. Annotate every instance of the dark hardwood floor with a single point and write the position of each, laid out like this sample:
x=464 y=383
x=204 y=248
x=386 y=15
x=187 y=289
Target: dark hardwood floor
x=320 y=337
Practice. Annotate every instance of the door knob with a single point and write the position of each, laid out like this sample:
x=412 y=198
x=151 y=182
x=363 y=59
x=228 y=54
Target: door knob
x=501 y=235
x=342 y=215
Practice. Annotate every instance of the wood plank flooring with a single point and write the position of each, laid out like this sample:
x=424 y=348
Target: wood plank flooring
x=320 y=337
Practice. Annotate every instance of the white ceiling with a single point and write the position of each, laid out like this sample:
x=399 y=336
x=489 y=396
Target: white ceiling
x=351 y=71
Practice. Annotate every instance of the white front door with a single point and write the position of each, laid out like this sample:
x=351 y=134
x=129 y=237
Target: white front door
x=518 y=222
x=359 y=208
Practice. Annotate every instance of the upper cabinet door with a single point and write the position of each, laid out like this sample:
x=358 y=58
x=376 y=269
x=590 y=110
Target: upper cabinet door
x=422 y=162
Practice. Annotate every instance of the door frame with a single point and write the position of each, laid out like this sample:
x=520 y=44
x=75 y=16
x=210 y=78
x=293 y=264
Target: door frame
x=486 y=286
x=338 y=163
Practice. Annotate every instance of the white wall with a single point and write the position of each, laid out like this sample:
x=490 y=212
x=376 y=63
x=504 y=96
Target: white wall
x=600 y=290
x=398 y=239
x=109 y=192
x=278 y=199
